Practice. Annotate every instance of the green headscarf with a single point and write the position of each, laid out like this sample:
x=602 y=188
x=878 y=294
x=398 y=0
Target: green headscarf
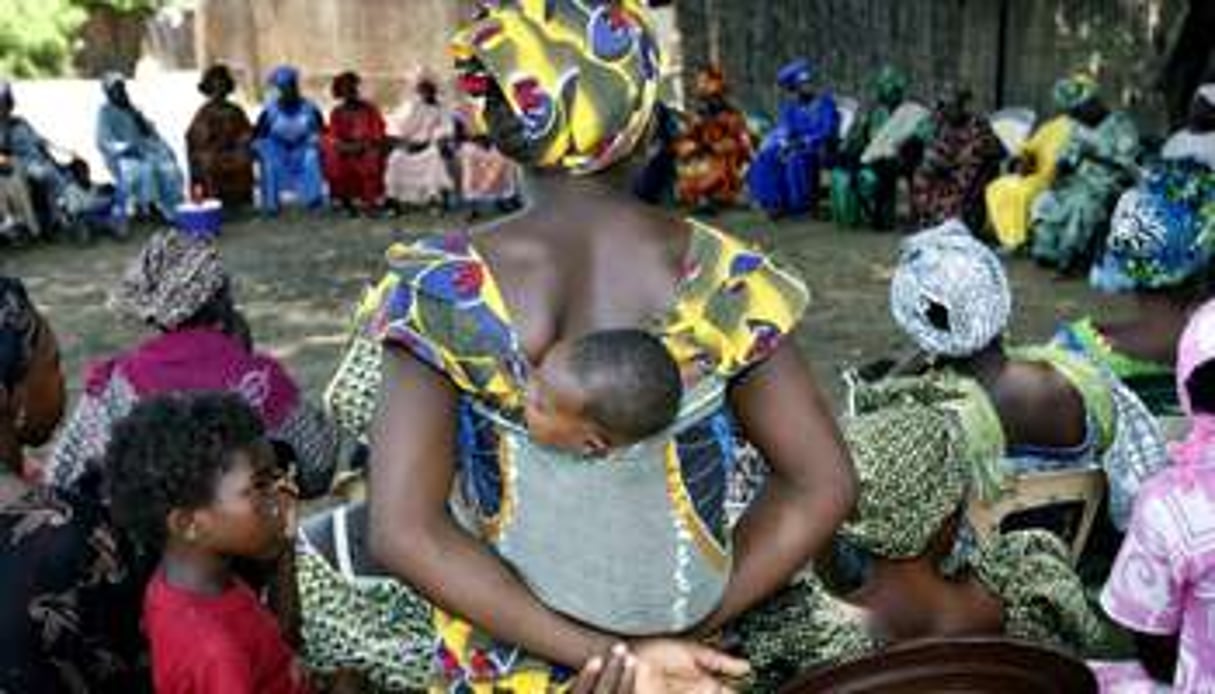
x=1073 y=91
x=911 y=477
x=890 y=85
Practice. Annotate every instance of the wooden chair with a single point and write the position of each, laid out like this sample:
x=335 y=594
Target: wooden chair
x=974 y=665
x=1042 y=491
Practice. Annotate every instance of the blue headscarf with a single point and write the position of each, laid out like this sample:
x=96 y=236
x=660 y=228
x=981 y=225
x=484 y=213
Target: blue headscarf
x=795 y=74
x=282 y=76
x=1162 y=233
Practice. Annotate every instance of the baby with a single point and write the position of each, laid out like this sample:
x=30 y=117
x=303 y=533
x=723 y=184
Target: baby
x=601 y=391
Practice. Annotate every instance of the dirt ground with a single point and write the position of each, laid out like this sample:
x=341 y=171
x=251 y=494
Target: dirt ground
x=299 y=277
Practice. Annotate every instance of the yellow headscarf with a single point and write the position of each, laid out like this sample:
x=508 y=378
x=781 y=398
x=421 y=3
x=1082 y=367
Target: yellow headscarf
x=581 y=76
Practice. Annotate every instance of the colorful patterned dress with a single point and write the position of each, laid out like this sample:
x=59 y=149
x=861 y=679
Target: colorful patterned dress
x=732 y=308
x=711 y=157
x=1068 y=220
x=962 y=159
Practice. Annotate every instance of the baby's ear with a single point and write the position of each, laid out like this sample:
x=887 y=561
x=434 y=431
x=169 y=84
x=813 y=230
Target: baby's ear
x=595 y=444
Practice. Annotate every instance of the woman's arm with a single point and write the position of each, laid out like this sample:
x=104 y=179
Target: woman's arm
x=810 y=490
x=413 y=535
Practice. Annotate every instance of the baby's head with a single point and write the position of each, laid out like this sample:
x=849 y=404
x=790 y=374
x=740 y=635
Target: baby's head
x=196 y=469
x=603 y=390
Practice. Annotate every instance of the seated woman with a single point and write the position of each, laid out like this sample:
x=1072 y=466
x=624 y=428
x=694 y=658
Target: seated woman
x=1161 y=585
x=1010 y=198
x=287 y=140
x=714 y=150
x=962 y=159
x=1158 y=252
x=218 y=143
x=1044 y=408
x=464 y=505
x=417 y=172
x=865 y=193
x=914 y=464
x=354 y=162
x=180 y=289
x=143 y=166
x=784 y=178
x=69 y=603
x=1068 y=222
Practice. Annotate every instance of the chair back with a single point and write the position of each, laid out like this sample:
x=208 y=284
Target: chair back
x=973 y=665
x=848 y=108
x=1043 y=491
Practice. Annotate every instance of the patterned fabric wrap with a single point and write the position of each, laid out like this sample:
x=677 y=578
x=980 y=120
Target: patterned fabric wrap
x=441 y=303
x=910 y=478
x=582 y=77
x=946 y=267
x=378 y=627
x=1070 y=92
x=170 y=280
x=1044 y=599
x=1163 y=231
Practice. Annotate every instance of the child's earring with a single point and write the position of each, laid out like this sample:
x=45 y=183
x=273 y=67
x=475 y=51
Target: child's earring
x=191 y=533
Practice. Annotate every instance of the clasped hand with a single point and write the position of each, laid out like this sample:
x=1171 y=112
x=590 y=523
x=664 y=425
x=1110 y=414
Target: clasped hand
x=661 y=666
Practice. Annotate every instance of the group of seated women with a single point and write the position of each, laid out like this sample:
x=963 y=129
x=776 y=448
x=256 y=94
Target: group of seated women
x=561 y=415
x=423 y=154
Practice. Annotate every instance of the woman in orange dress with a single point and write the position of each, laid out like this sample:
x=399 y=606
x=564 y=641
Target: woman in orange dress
x=714 y=151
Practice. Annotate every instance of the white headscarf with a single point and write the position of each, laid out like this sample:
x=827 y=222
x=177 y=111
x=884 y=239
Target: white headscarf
x=950 y=293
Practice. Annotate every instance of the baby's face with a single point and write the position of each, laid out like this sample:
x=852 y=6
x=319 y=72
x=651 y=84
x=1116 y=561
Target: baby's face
x=554 y=406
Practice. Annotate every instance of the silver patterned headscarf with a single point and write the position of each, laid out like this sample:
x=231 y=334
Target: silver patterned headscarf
x=170 y=281
x=950 y=293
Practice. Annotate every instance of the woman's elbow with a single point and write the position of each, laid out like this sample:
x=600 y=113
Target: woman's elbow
x=402 y=546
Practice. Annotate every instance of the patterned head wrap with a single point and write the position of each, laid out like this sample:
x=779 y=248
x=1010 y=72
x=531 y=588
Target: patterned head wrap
x=171 y=279
x=1073 y=91
x=1195 y=348
x=18 y=330
x=890 y=85
x=950 y=293
x=910 y=477
x=1159 y=235
x=582 y=77
x=282 y=76
x=795 y=74
x=217 y=81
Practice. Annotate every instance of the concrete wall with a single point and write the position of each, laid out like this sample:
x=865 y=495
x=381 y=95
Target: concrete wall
x=381 y=39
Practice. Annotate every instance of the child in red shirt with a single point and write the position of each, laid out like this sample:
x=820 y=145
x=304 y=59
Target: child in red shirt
x=195 y=480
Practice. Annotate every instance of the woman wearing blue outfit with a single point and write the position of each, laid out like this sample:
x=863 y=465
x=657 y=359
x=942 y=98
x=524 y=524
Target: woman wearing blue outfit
x=144 y=168
x=784 y=178
x=287 y=140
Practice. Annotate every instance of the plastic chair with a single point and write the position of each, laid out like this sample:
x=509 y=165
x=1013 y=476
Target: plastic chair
x=1043 y=491
x=974 y=665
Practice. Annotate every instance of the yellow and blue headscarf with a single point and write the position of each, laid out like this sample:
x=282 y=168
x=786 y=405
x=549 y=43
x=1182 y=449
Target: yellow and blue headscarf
x=581 y=75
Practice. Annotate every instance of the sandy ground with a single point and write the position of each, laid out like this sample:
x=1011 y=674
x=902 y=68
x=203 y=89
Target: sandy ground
x=299 y=277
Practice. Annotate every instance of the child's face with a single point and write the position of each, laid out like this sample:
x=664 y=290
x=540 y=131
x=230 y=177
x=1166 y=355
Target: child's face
x=248 y=516
x=554 y=406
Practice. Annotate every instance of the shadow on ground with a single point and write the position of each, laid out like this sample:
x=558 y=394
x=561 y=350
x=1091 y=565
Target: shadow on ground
x=299 y=277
